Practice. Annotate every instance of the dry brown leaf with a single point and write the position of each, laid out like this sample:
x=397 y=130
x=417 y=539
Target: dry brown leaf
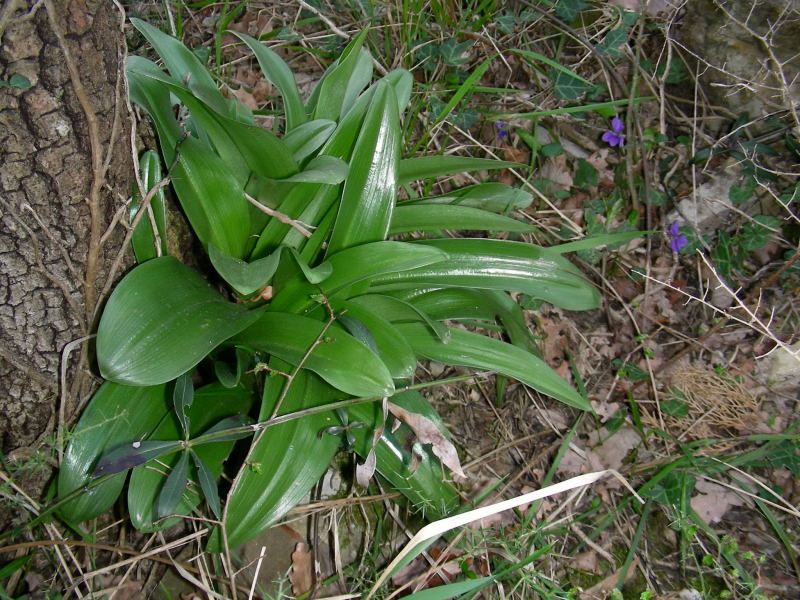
x=302 y=575
x=611 y=453
x=714 y=501
x=605 y=410
x=428 y=433
x=586 y=561
x=556 y=171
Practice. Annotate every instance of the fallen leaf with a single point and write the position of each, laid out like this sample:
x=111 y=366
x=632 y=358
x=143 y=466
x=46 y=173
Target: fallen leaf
x=556 y=171
x=713 y=501
x=428 y=433
x=586 y=561
x=302 y=575
x=611 y=453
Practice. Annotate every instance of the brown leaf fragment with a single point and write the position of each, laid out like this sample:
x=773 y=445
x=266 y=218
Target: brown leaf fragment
x=302 y=575
x=428 y=433
x=713 y=501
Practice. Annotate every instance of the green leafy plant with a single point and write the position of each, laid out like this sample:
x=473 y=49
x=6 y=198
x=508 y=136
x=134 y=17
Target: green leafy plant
x=323 y=319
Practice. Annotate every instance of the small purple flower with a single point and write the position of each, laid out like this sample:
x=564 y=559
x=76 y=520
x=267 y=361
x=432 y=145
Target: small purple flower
x=615 y=137
x=502 y=131
x=676 y=240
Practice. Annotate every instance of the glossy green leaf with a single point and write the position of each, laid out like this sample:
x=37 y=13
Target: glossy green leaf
x=278 y=74
x=596 y=241
x=496 y=197
x=182 y=398
x=305 y=140
x=425 y=167
x=340 y=84
x=339 y=359
x=499 y=265
x=365 y=209
x=433 y=217
x=420 y=478
x=160 y=321
x=230 y=377
x=181 y=63
x=128 y=456
x=451 y=590
x=143 y=240
x=174 y=486
x=395 y=353
x=115 y=415
x=212 y=403
x=321 y=169
x=247 y=278
x=399 y=310
x=354 y=265
x=208 y=485
x=469 y=349
x=285 y=461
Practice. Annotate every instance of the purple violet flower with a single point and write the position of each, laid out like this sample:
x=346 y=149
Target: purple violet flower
x=676 y=240
x=615 y=137
x=501 y=127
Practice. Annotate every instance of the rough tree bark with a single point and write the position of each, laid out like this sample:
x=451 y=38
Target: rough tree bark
x=65 y=152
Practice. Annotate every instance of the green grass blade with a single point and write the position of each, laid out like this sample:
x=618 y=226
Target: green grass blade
x=464 y=89
x=495 y=197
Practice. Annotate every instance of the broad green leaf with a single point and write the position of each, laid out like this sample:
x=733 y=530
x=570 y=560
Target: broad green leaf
x=262 y=151
x=160 y=321
x=115 y=415
x=341 y=83
x=174 y=486
x=420 y=478
x=278 y=74
x=143 y=240
x=285 y=461
x=338 y=358
x=247 y=278
x=321 y=169
x=182 y=398
x=181 y=63
x=355 y=265
x=463 y=303
x=399 y=310
x=212 y=403
x=499 y=265
x=433 y=217
x=230 y=377
x=395 y=353
x=496 y=197
x=469 y=349
x=306 y=139
x=365 y=210
x=425 y=167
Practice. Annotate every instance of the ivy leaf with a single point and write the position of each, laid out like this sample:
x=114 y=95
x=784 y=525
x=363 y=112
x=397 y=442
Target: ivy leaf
x=568 y=10
x=567 y=86
x=453 y=52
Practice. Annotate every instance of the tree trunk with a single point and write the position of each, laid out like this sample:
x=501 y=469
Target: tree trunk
x=65 y=151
